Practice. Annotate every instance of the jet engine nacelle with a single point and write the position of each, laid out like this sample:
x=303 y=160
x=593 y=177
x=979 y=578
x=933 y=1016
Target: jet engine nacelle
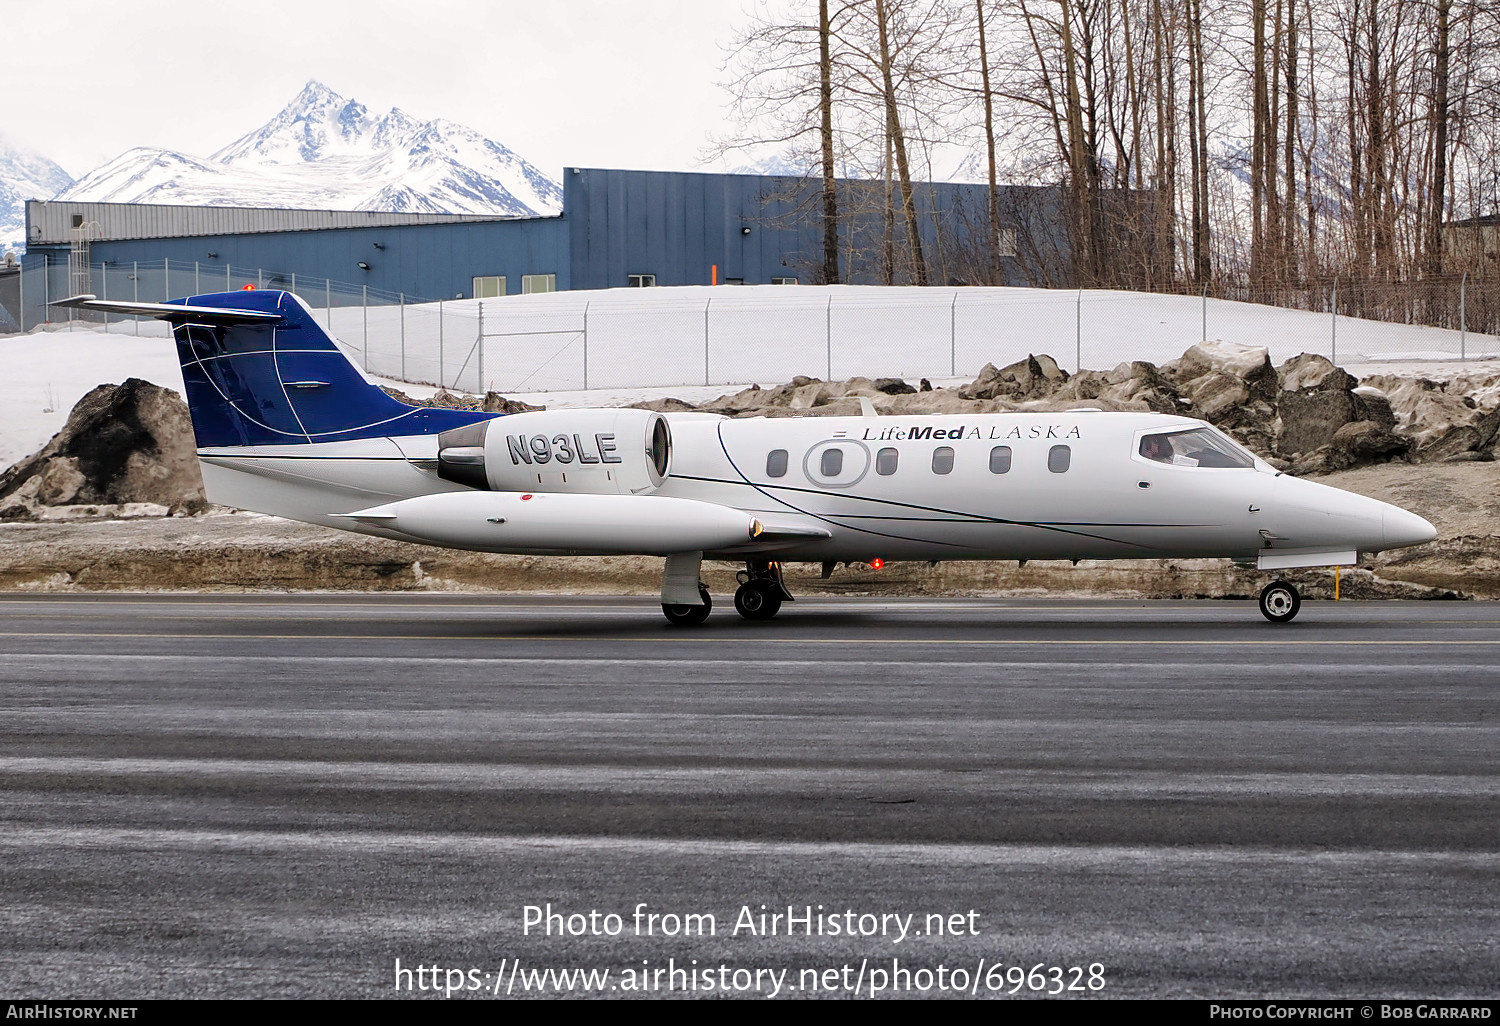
x=623 y=452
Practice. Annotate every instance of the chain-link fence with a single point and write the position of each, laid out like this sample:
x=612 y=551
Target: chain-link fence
x=767 y=334
x=733 y=335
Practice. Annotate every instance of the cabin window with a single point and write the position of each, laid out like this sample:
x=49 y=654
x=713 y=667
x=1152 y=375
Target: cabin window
x=776 y=463
x=831 y=464
x=1196 y=447
x=1058 y=459
x=942 y=459
x=1000 y=459
x=885 y=461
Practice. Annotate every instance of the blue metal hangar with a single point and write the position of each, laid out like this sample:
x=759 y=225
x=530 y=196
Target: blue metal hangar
x=617 y=228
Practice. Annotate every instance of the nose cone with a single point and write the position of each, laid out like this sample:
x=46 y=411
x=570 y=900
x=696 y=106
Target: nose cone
x=1401 y=528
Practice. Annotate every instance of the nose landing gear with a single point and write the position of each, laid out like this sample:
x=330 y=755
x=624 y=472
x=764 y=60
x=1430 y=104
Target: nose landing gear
x=1279 y=602
x=761 y=591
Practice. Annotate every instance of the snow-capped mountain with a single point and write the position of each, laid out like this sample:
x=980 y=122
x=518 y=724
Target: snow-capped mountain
x=24 y=175
x=326 y=152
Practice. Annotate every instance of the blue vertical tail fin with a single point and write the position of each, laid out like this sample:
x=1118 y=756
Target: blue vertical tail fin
x=259 y=370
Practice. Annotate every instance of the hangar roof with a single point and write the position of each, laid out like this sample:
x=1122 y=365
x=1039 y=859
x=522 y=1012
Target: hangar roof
x=52 y=221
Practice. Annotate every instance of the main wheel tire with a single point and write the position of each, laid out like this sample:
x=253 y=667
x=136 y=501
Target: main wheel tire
x=1279 y=602
x=689 y=616
x=757 y=600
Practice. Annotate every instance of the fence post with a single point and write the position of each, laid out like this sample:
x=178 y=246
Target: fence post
x=166 y=278
x=1334 y=331
x=104 y=292
x=442 y=381
x=135 y=275
x=260 y=277
x=21 y=297
x=403 y=336
x=197 y=285
x=1205 y=312
x=294 y=284
x=828 y=334
x=953 y=337
x=328 y=302
x=586 y=345
x=46 y=289
x=228 y=283
x=1463 y=321
x=482 y=390
x=1078 y=334
x=364 y=305
x=705 y=338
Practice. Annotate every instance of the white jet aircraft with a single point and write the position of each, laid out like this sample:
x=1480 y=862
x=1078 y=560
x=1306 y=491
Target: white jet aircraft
x=286 y=425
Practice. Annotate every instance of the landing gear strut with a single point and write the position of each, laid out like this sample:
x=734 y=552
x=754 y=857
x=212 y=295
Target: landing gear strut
x=761 y=591
x=689 y=616
x=680 y=585
x=1279 y=602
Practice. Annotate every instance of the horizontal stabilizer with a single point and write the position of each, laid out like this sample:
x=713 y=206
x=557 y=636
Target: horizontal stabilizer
x=168 y=311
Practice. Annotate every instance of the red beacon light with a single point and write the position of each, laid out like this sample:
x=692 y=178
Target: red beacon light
x=877 y=563
x=248 y=287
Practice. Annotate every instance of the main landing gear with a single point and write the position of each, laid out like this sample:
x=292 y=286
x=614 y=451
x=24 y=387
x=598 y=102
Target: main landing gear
x=689 y=616
x=761 y=591
x=759 y=596
x=1279 y=602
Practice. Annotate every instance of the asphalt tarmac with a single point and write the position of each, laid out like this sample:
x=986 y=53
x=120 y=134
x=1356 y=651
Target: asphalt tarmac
x=254 y=796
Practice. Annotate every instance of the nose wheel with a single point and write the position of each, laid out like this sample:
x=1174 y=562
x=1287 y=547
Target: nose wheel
x=1279 y=602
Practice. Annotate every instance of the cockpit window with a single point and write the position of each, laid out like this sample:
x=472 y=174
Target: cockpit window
x=1196 y=447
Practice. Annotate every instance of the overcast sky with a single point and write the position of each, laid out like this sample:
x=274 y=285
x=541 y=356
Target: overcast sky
x=590 y=83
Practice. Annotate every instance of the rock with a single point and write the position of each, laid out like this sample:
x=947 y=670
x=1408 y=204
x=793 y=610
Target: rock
x=1377 y=406
x=1309 y=420
x=805 y=397
x=1032 y=378
x=1217 y=396
x=801 y=393
x=1141 y=385
x=667 y=405
x=745 y=399
x=1456 y=442
x=1250 y=365
x=939 y=400
x=926 y=386
x=124 y=443
x=60 y=481
x=1428 y=415
x=1368 y=441
x=494 y=402
x=895 y=386
x=1312 y=373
